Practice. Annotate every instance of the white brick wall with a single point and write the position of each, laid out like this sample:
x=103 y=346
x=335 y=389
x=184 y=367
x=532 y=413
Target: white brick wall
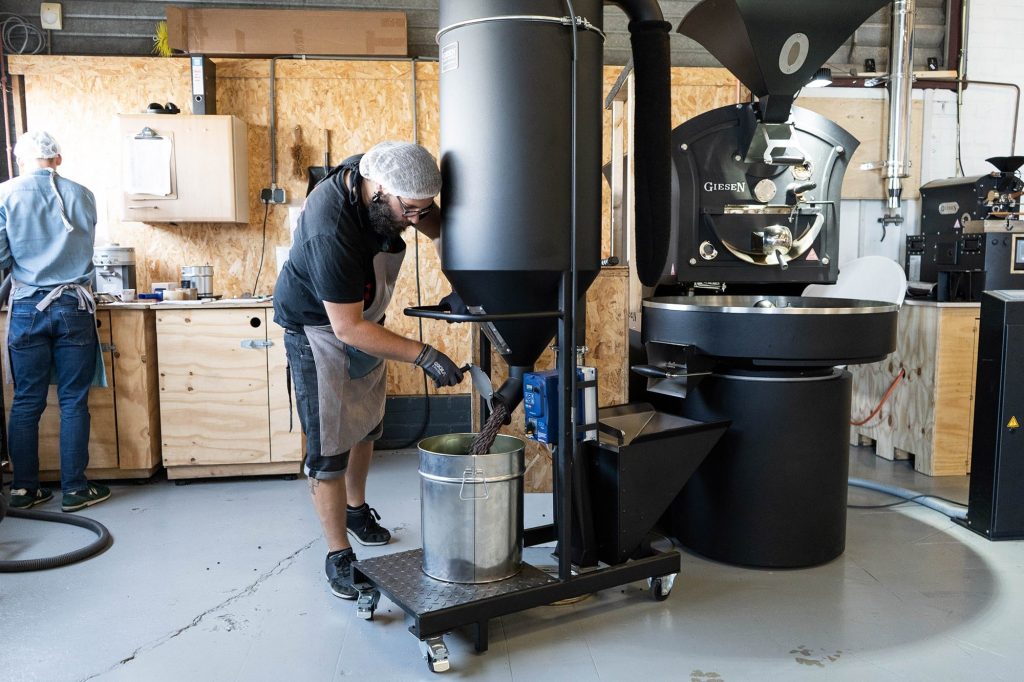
x=995 y=52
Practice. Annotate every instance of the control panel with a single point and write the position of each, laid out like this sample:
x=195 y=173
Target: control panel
x=540 y=404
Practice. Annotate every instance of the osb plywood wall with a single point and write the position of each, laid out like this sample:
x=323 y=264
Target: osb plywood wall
x=359 y=102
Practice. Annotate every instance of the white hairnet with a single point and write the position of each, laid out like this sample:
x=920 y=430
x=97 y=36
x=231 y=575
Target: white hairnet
x=36 y=144
x=403 y=168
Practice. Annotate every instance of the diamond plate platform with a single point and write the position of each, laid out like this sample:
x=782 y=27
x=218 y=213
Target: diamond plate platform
x=400 y=576
x=434 y=607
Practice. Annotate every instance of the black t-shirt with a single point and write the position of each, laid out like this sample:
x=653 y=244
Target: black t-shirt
x=332 y=252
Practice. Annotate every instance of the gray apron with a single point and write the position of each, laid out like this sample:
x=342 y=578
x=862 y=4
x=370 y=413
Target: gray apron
x=351 y=384
x=86 y=301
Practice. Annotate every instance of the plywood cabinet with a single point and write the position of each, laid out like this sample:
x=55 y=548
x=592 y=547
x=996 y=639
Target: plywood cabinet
x=224 y=399
x=929 y=417
x=200 y=161
x=124 y=439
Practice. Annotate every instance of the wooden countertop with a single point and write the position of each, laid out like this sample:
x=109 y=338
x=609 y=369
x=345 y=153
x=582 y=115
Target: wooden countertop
x=941 y=304
x=172 y=305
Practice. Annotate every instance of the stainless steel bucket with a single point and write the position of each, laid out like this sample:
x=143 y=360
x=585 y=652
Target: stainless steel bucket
x=471 y=508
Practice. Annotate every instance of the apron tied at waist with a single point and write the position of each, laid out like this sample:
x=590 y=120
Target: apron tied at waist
x=351 y=390
x=86 y=302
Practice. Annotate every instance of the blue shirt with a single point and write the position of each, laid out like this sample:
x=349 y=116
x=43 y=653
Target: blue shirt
x=35 y=243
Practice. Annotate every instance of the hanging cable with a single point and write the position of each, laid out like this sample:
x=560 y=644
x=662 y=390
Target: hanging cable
x=419 y=290
x=888 y=393
x=263 y=249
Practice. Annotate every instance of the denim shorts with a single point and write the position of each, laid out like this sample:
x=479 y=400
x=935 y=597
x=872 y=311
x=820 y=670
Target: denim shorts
x=303 y=372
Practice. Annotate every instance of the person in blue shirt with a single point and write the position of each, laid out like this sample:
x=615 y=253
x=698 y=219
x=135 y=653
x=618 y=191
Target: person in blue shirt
x=47 y=233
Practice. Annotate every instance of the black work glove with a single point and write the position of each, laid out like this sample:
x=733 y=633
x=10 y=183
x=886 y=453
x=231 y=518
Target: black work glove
x=438 y=366
x=453 y=303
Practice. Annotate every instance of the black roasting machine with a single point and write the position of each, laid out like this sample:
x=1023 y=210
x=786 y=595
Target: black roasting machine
x=972 y=235
x=756 y=192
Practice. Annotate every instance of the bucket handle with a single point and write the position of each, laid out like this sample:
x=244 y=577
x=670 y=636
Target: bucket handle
x=477 y=478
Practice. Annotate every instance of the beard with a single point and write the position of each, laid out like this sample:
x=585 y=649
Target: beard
x=383 y=222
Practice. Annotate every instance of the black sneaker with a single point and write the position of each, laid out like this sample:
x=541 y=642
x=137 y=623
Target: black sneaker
x=364 y=529
x=339 y=573
x=92 y=494
x=23 y=498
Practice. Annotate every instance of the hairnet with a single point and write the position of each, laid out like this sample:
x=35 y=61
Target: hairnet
x=36 y=144
x=403 y=168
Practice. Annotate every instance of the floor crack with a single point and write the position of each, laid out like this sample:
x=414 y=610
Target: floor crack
x=249 y=589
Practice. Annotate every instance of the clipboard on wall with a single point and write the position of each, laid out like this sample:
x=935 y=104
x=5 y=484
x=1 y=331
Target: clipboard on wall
x=148 y=166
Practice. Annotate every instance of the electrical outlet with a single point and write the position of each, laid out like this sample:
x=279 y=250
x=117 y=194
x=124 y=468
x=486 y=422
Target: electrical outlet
x=50 y=16
x=272 y=195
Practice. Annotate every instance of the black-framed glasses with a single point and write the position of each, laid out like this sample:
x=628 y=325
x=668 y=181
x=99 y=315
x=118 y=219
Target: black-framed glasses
x=411 y=211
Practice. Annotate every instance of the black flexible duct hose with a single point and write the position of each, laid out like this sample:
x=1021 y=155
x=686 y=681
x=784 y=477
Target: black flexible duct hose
x=102 y=541
x=652 y=141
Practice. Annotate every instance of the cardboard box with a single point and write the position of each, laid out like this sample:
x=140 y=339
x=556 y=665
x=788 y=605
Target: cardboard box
x=286 y=31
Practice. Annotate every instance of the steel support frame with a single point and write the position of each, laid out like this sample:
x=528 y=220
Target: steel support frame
x=478 y=613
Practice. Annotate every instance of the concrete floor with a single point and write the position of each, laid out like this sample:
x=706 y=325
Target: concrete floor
x=223 y=580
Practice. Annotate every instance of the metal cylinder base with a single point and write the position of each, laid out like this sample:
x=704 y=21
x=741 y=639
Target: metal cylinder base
x=772 y=493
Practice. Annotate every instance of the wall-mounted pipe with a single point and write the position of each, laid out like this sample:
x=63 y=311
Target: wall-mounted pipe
x=963 y=82
x=901 y=82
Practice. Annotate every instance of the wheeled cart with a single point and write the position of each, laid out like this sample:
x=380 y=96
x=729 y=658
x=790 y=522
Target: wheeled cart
x=434 y=608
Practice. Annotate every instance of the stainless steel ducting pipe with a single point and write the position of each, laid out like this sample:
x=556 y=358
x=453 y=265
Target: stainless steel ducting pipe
x=901 y=83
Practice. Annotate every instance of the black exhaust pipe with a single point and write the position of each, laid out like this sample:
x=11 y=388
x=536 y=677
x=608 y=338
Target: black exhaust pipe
x=649 y=36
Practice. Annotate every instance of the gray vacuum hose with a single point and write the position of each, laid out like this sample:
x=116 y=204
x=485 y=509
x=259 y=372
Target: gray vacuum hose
x=102 y=541
x=953 y=511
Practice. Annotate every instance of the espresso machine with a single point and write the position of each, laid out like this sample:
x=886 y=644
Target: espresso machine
x=115 y=269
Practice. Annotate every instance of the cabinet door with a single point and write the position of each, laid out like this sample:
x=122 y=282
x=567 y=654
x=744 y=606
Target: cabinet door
x=208 y=168
x=285 y=429
x=136 y=401
x=103 y=432
x=213 y=386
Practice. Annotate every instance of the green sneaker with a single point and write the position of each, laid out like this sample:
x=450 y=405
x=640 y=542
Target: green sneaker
x=86 y=497
x=23 y=498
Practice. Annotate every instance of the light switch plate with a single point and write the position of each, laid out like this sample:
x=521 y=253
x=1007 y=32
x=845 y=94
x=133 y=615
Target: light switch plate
x=50 y=16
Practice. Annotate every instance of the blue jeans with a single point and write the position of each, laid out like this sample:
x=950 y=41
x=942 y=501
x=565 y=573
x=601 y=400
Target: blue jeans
x=62 y=340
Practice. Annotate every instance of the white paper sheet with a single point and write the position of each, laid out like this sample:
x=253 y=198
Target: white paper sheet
x=148 y=166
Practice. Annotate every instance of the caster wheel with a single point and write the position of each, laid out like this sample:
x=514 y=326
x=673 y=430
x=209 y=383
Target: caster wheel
x=436 y=654
x=366 y=604
x=661 y=587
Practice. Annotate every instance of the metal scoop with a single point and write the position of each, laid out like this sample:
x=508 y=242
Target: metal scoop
x=481 y=382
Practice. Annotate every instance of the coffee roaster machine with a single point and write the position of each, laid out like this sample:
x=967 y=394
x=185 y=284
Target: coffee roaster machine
x=727 y=334
x=972 y=235
x=745 y=197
